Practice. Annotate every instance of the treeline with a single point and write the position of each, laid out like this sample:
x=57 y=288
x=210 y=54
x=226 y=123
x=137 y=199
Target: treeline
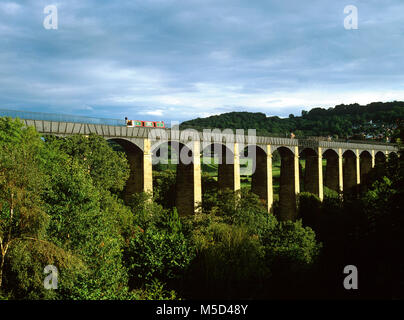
x=378 y=120
x=61 y=205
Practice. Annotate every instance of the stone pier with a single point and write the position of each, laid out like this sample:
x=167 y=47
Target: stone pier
x=261 y=180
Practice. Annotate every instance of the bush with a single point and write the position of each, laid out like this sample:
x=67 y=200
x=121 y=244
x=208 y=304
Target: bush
x=229 y=260
x=291 y=246
x=164 y=188
x=155 y=291
x=159 y=250
x=241 y=208
x=309 y=208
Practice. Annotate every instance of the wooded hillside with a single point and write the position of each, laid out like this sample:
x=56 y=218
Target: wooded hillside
x=376 y=120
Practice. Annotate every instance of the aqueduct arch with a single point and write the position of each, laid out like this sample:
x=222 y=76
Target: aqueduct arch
x=289 y=183
x=380 y=158
x=261 y=177
x=188 y=194
x=140 y=167
x=262 y=172
x=228 y=173
x=365 y=165
x=313 y=169
x=350 y=170
x=228 y=170
x=331 y=180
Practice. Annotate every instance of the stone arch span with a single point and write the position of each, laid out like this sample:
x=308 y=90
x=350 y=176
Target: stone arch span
x=331 y=179
x=365 y=165
x=312 y=174
x=140 y=179
x=228 y=165
x=350 y=171
x=380 y=158
x=289 y=184
x=188 y=194
x=261 y=172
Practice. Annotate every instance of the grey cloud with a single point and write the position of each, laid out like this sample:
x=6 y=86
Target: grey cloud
x=196 y=57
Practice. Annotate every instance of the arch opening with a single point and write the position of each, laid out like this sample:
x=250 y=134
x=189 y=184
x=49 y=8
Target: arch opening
x=176 y=184
x=218 y=163
x=309 y=171
x=219 y=175
x=380 y=158
x=287 y=184
x=255 y=175
x=136 y=182
x=331 y=174
x=349 y=170
x=365 y=167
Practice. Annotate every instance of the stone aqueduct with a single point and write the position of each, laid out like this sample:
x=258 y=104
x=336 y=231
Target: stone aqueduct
x=346 y=163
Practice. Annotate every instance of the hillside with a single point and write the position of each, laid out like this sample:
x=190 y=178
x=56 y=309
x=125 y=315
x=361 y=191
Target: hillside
x=376 y=120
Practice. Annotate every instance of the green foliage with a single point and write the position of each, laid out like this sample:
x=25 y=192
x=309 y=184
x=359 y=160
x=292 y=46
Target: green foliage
x=291 y=242
x=108 y=169
x=96 y=236
x=309 y=207
x=155 y=291
x=26 y=263
x=243 y=208
x=22 y=180
x=329 y=193
x=164 y=188
x=146 y=213
x=232 y=254
x=228 y=258
x=239 y=246
x=56 y=208
x=4 y=296
x=158 y=247
x=157 y=254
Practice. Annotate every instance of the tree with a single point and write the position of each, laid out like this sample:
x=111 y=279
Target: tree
x=158 y=248
x=87 y=219
x=25 y=249
x=108 y=169
x=21 y=182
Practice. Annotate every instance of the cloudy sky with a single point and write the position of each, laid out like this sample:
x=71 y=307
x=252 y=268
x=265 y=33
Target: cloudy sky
x=182 y=59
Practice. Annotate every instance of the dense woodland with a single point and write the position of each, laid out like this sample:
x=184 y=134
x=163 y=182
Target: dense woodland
x=374 y=121
x=61 y=204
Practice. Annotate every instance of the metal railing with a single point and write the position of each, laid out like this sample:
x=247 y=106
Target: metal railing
x=59 y=117
x=331 y=139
